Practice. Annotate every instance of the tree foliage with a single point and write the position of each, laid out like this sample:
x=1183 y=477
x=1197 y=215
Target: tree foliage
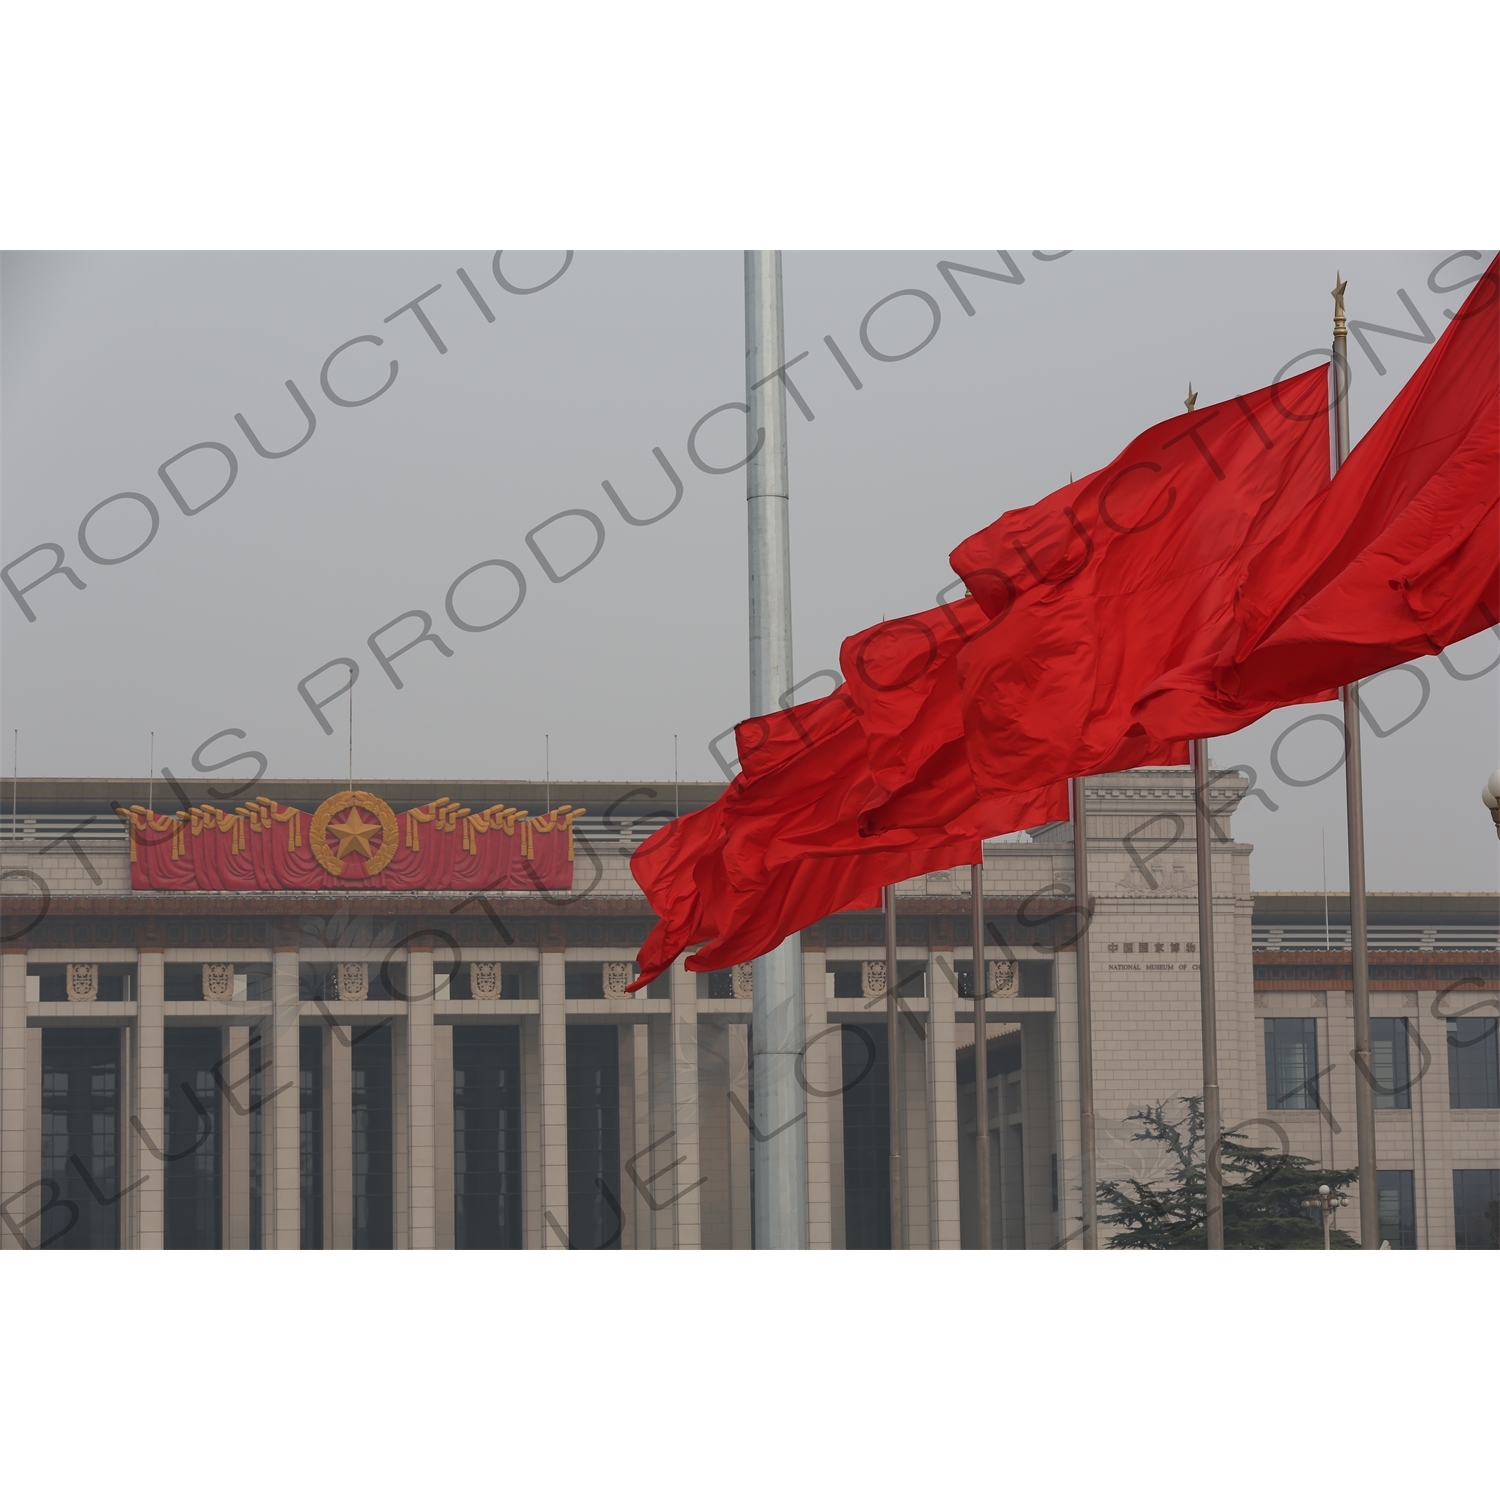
x=1263 y=1192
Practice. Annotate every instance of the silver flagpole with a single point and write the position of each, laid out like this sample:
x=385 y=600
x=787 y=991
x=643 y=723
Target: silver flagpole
x=1212 y=1118
x=780 y=1133
x=1359 y=936
x=1208 y=1013
x=1087 y=1152
x=981 y=1061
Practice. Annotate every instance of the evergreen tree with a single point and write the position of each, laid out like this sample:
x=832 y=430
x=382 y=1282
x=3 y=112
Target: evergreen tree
x=1263 y=1193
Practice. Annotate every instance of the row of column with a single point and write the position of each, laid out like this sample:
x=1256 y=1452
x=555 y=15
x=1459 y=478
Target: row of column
x=663 y=1193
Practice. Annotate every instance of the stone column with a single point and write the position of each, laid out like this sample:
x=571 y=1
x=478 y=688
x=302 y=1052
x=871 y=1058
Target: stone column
x=281 y=1145
x=552 y=1042
x=942 y=1102
x=1437 y=1228
x=739 y=1151
x=421 y=1139
x=234 y=1112
x=641 y=1137
x=820 y=1062
x=338 y=1137
x=1065 y=1104
x=685 y=1106
x=442 y=1131
x=14 y=1179
x=147 y=1126
x=663 y=1131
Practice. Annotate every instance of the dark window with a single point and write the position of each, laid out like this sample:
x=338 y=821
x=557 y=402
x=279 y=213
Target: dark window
x=374 y=1157
x=1390 y=1059
x=310 y=1134
x=867 y=1143
x=1036 y=977
x=583 y=982
x=193 y=1118
x=1292 y=1063
x=1398 y=1209
x=1476 y=1209
x=1473 y=1063
x=594 y=1220
x=848 y=981
x=182 y=982
x=80 y=1139
x=660 y=988
x=717 y=984
x=487 y=1137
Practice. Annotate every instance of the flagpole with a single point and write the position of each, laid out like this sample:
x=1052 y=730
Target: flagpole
x=1359 y=935
x=1212 y=1118
x=893 y=1075
x=981 y=1060
x=1087 y=1152
x=1208 y=1014
x=780 y=1134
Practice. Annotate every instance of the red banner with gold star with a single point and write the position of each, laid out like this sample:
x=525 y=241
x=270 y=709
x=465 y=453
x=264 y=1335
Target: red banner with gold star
x=353 y=841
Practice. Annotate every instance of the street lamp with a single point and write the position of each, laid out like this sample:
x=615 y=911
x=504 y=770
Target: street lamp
x=1328 y=1203
x=1491 y=796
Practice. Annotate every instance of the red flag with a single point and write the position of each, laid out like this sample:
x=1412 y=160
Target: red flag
x=864 y=788
x=1405 y=544
x=1097 y=590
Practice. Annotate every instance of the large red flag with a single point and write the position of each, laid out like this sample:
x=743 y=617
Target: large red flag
x=1405 y=544
x=864 y=788
x=875 y=783
x=1099 y=589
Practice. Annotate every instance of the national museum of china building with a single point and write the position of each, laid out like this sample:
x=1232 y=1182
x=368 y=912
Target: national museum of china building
x=395 y=1017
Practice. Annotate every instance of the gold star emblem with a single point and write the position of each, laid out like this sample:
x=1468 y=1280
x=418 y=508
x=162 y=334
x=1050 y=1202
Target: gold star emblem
x=354 y=833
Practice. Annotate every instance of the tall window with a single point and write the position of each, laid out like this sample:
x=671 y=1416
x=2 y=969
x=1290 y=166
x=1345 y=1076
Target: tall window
x=374 y=1125
x=1391 y=1063
x=594 y=1214
x=1292 y=1063
x=310 y=1134
x=80 y=1140
x=487 y=1137
x=1476 y=1209
x=867 y=1144
x=1398 y=1209
x=1473 y=1063
x=194 y=1179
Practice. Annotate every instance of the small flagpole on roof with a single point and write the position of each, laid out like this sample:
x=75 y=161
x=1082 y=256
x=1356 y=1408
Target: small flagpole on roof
x=1359 y=935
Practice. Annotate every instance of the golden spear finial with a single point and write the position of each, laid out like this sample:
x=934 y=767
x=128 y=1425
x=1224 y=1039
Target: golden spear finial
x=1340 y=328
x=1192 y=397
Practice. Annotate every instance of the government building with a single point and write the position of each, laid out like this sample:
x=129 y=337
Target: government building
x=394 y=1016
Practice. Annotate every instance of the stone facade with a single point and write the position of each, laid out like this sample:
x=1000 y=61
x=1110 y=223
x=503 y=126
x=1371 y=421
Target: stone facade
x=328 y=1012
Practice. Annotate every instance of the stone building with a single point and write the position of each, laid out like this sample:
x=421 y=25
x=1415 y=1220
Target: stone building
x=417 y=1069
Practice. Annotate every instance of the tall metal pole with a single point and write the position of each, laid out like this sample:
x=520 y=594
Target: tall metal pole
x=1359 y=935
x=981 y=1064
x=1212 y=1118
x=778 y=1032
x=894 y=1075
x=1087 y=1150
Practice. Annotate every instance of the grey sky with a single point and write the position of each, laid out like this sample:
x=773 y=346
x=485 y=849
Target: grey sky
x=112 y=363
